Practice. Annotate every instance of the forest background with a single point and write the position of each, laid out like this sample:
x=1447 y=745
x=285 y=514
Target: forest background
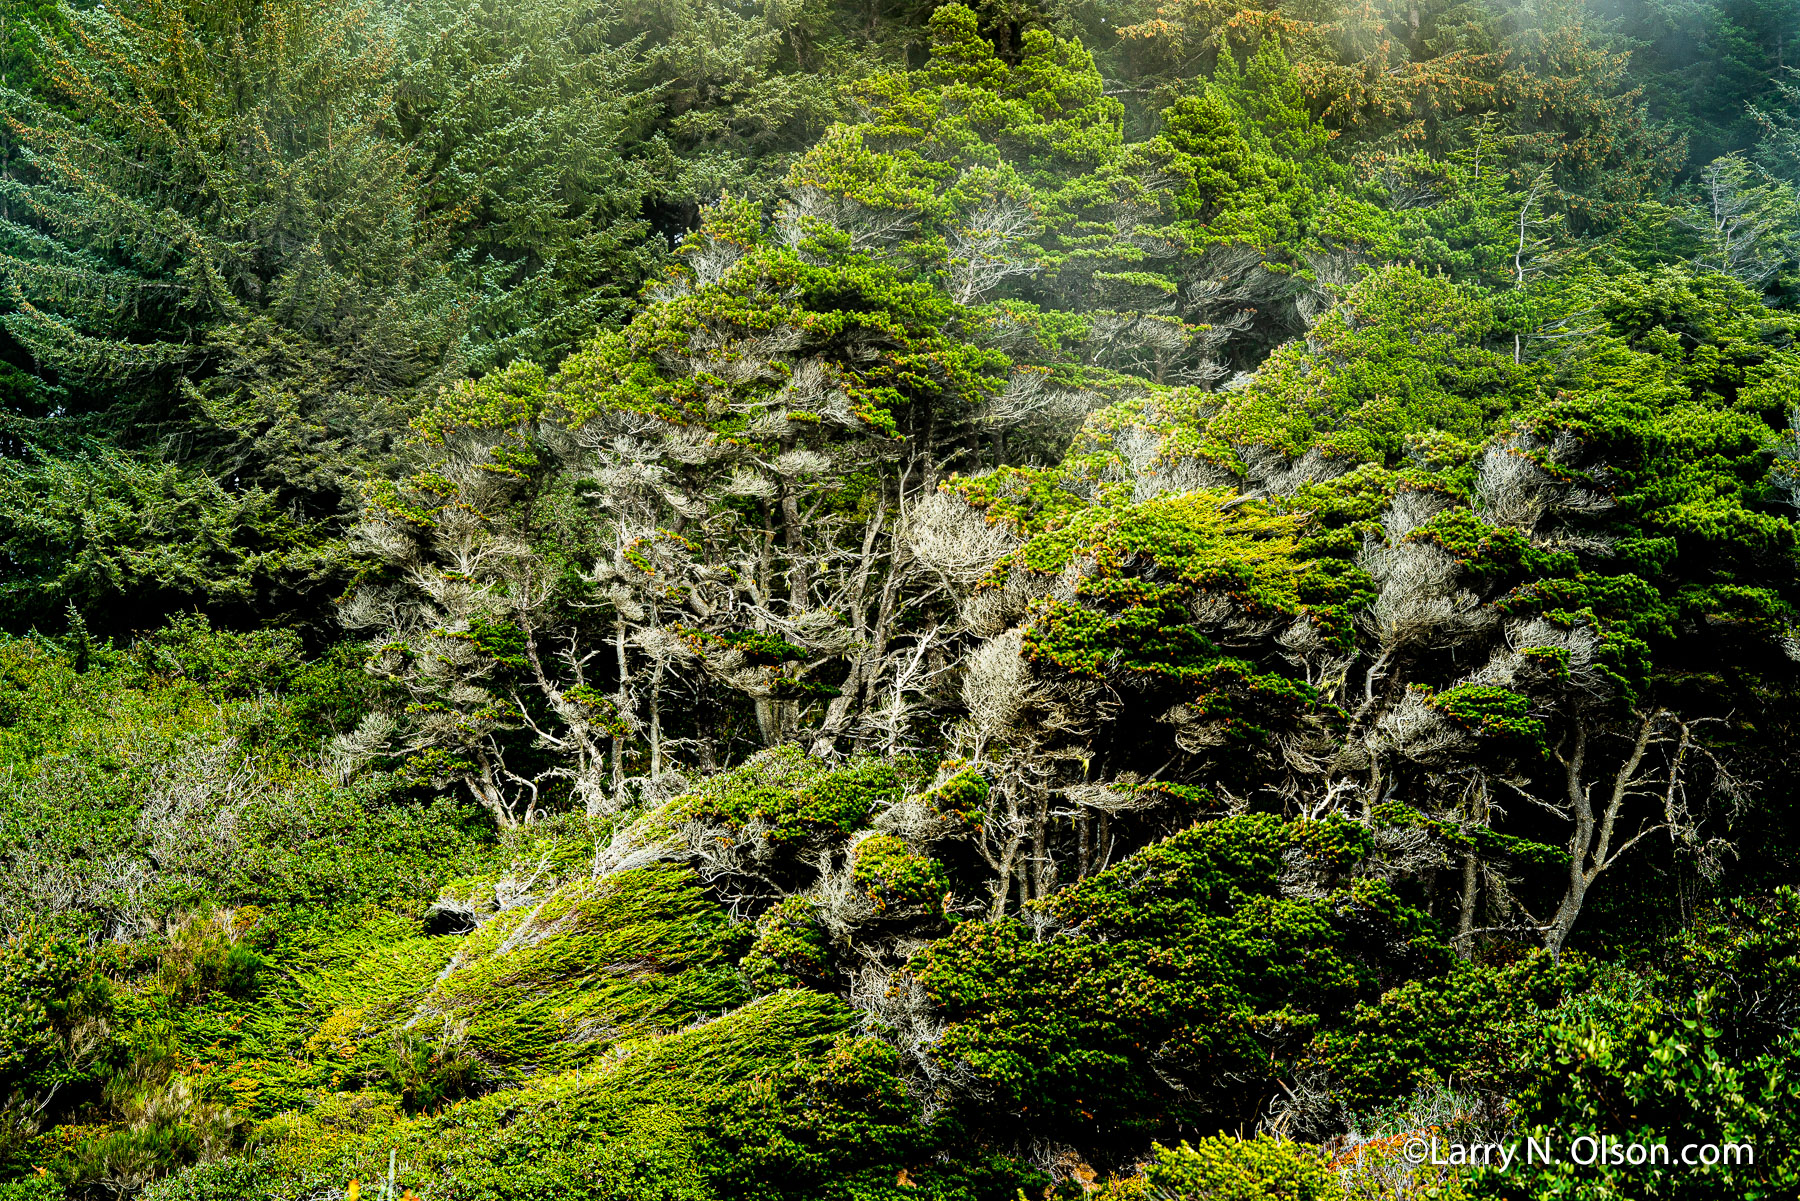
x=681 y=599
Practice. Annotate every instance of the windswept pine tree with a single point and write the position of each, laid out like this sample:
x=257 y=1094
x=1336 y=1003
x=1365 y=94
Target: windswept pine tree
x=728 y=484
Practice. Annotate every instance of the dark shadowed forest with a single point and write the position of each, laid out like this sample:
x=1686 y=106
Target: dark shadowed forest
x=863 y=600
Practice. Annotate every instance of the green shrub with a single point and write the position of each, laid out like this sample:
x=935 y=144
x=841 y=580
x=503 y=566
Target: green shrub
x=1661 y=1075
x=897 y=881
x=35 y=1187
x=248 y=1177
x=1185 y=979
x=781 y=1100
x=427 y=1076
x=1480 y=1024
x=203 y=957
x=228 y=664
x=54 y=1007
x=794 y=797
x=961 y=799
x=791 y=949
x=162 y=1120
x=551 y=985
x=1233 y=1169
x=1714 y=1059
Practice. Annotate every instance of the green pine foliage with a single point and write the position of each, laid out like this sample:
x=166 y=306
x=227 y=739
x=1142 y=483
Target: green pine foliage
x=1246 y=1168
x=1402 y=353
x=1188 y=956
x=638 y=953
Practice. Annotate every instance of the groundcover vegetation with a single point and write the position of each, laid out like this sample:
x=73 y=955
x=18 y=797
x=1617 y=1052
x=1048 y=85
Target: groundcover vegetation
x=692 y=600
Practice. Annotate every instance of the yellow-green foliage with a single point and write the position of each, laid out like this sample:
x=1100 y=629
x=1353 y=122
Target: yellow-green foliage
x=1232 y=1169
x=548 y=986
x=1201 y=538
x=961 y=798
x=303 y=1027
x=47 y=706
x=969 y=119
x=333 y=1120
x=1096 y=472
x=1151 y=561
x=380 y=958
x=791 y=797
x=896 y=880
x=1402 y=353
x=637 y=1123
x=791 y=948
x=779 y=1099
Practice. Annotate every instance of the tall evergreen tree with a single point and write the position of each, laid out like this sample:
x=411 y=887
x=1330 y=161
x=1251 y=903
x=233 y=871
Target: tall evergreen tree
x=219 y=246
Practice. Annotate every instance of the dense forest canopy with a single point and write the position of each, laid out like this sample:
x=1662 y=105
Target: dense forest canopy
x=696 y=600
